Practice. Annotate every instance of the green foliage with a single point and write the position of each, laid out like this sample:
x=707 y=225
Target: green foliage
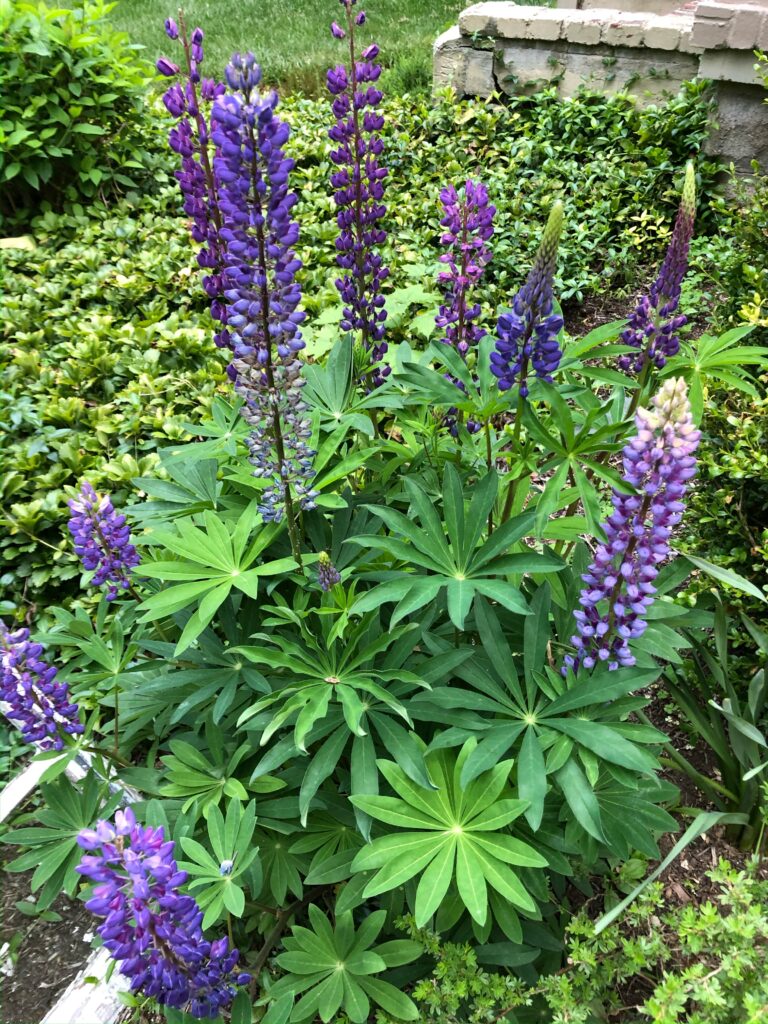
x=723 y=701
x=335 y=967
x=107 y=349
x=72 y=120
x=730 y=499
x=51 y=849
x=694 y=963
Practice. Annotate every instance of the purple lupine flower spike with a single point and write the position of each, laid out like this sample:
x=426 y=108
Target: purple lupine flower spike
x=468 y=224
x=36 y=703
x=652 y=328
x=528 y=336
x=327 y=573
x=260 y=289
x=102 y=540
x=191 y=139
x=359 y=189
x=151 y=929
x=658 y=462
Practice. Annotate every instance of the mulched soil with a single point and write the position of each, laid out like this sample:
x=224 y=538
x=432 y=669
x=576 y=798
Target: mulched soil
x=50 y=956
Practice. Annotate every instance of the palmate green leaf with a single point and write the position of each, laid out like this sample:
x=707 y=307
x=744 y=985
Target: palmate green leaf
x=335 y=966
x=456 y=836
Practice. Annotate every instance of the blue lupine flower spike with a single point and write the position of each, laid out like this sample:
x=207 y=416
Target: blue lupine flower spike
x=527 y=337
x=150 y=928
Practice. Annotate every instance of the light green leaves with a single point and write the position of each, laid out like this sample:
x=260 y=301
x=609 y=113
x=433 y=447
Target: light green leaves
x=212 y=561
x=453 y=836
x=335 y=968
x=457 y=558
x=220 y=878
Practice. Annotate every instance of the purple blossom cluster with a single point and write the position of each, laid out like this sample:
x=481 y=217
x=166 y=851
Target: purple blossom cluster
x=358 y=184
x=260 y=288
x=187 y=100
x=658 y=463
x=527 y=337
x=652 y=328
x=36 y=703
x=327 y=573
x=151 y=929
x=468 y=223
x=102 y=540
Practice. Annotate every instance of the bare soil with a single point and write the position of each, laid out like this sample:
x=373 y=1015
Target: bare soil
x=50 y=955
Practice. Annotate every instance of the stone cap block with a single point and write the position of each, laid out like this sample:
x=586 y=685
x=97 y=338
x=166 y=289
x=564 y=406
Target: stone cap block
x=729 y=66
x=483 y=17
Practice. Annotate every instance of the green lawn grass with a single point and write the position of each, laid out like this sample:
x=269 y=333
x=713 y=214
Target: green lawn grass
x=291 y=38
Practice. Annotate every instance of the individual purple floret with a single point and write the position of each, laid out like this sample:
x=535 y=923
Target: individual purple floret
x=37 y=704
x=359 y=190
x=468 y=223
x=658 y=463
x=528 y=336
x=102 y=540
x=151 y=929
x=187 y=100
x=327 y=573
x=260 y=288
x=652 y=328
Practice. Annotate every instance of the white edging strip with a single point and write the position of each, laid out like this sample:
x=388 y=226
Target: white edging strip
x=82 y=1002
x=85 y=1002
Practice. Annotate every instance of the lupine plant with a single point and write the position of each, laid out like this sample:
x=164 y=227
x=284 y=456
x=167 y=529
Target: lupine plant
x=388 y=622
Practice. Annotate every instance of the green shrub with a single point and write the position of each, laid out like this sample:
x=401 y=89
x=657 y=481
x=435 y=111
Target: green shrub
x=104 y=356
x=691 y=964
x=72 y=101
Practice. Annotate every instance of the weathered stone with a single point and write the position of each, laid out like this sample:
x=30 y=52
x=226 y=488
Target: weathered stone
x=626 y=30
x=478 y=75
x=449 y=58
x=710 y=33
x=745 y=28
x=545 y=23
x=521 y=66
x=514 y=25
x=627 y=6
x=629 y=47
x=583 y=27
x=741 y=135
x=662 y=32
x=709 y=9
x=483 y=17
x=730 y=66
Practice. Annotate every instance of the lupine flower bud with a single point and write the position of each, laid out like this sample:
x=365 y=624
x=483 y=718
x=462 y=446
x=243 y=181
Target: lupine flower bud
x=653 y=327
x=150 y=928
x=38 y=705
x=260 y=288
x=658 y=462
x=167 y=67
x=359 y=190
x=527 y=336
x=171 y=28
x=327 y=573
x=102 y=540
x=337 y=31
